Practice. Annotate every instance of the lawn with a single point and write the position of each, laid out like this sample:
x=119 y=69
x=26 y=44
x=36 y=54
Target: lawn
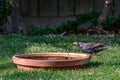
x=103 y=66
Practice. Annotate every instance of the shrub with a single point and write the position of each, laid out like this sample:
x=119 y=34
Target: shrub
x=70 y=26
x=5 y=10
x=112 y=21
x=92 y=16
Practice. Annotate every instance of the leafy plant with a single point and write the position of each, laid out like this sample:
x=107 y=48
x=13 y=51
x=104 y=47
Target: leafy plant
x=112 y=20
x=70 y=26
x=92 y=16
x=5 y=10
x=47 y=30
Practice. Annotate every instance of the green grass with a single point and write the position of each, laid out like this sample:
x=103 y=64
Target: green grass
x=104 y=66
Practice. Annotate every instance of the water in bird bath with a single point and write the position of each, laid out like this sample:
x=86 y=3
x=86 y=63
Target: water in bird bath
x=40 y=57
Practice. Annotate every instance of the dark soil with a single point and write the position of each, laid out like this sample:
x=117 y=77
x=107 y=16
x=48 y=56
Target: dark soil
x=97 y=31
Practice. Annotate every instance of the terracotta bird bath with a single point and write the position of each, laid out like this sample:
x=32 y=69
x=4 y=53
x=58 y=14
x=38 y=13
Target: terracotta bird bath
x=51 y=60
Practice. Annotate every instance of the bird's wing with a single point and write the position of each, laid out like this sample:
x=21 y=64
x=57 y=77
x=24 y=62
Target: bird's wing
x=97 y=45
x=92 y=45
x=87 y=45
x=97 y=49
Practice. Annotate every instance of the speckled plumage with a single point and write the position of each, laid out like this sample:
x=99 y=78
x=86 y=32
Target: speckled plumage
x=92 y=47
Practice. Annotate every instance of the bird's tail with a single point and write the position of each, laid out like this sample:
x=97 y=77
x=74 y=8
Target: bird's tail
x=98 y=49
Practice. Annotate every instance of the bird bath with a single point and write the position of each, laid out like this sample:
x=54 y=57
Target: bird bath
x=30 y=62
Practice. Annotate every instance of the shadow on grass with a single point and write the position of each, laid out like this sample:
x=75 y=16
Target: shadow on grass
x=93 y=64
x=97 y=64
x=10 y=66
x=7 y=66
x=114 y=64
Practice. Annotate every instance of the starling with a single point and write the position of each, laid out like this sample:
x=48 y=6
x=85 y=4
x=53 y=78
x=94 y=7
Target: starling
x=91 y=48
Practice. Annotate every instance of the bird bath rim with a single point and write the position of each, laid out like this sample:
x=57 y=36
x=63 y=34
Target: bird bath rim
x=52 y=60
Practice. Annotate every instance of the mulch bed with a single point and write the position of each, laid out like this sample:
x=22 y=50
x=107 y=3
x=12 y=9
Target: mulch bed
x=97 y=31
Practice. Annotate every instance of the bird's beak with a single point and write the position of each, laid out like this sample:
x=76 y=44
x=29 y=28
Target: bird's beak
x=75 y=43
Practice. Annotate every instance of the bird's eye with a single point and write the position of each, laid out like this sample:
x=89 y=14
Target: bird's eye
x=80 y=45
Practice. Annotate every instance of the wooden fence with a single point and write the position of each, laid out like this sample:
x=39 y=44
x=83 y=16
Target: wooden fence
x=40 y=8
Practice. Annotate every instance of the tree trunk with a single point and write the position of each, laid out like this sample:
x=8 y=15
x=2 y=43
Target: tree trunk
x=107 y=10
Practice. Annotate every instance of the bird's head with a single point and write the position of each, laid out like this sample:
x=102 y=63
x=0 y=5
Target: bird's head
x=80 y=44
